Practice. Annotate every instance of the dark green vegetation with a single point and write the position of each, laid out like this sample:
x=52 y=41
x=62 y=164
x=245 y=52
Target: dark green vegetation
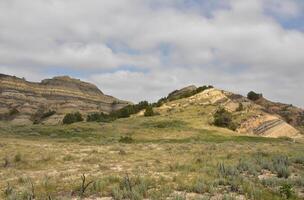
x=223 y=118
x=149 y=112
x=143 y=105
x=100 y=117
x=48 y=114
x=122 y=113
x=172 y=97
x=254 y=96
x=72 y=118
x=130 y=110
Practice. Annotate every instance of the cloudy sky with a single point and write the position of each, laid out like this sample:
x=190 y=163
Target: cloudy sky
x=143 y=49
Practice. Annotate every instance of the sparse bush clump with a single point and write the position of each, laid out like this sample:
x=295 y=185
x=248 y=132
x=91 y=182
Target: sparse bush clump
x=299 y=160
x=17 y=157
x=227 y=171
x=72 y=118
x=172 y=96
x=280 y=165
x=240 y=108
x=100 y=117
x=126 y=139
x=149 y=112
x=130 y=110
x=48 y=114
x=254 y=96
x=223 y=118
x=286 y=191
x=131 y=188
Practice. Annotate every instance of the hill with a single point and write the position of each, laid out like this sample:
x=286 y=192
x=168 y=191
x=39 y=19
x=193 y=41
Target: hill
x=176 y=153
x=247 y=116
x=24 y=102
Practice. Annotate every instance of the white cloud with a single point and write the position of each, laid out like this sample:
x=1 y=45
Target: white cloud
x=238 y=45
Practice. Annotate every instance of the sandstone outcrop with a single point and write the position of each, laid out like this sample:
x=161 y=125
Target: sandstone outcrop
x=24 y=102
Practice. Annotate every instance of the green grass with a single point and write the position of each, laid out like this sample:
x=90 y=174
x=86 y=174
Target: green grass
x=159 y=157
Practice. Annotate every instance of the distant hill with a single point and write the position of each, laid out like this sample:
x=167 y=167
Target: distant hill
x=260 y=117
x=24 y=102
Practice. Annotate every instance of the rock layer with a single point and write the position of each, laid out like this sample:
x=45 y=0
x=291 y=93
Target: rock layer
x=60 y=94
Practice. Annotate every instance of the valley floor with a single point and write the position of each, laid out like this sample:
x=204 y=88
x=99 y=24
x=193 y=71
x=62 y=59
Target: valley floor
x=159 y=158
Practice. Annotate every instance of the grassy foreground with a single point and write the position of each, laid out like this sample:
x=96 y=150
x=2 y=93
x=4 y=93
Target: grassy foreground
x=146 y=158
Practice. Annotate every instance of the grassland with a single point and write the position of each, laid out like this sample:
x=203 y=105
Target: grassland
x=162 y=158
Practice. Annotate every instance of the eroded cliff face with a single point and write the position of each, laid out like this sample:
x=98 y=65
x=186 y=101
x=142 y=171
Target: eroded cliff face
x=24 y=102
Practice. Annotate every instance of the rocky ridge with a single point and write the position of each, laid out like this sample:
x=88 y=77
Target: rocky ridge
x=24 y=102
x=251 y=118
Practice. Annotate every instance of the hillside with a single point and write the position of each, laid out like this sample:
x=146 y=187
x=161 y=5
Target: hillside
x=24 y=102
x=176 y=154
x=290 y=113
x=248 y=117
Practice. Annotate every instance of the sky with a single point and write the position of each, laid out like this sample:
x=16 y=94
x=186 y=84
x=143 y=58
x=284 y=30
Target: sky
x=144 y=49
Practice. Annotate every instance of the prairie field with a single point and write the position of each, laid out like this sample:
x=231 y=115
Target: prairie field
x=156 y=157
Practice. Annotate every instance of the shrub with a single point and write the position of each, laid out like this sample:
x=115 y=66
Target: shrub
x=149 y=112
x=160 y=102
x=254 y=96
x=126 y=139
x=48 y=114
x=131 y=188
x=286 y=191
x=240 y=108
x=299 y=160
x=223 y=118
x=17 y=157
x=6 y=162
x=282 y=171
x=130 y=110
x=72 y=118
x=13 y=112
x=172 y=96
x=226 y=171
x=280 y=165
x=100 y=117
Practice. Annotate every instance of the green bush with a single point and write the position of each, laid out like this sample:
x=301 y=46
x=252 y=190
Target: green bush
x=72 y=118
x=254 y=96
x=286 y=191
x=130 y=110
x=223 y=118
x=149 y=112
x=100 y=117
x=172 y=97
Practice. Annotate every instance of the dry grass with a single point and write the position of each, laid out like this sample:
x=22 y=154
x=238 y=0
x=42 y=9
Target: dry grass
x=176 y=157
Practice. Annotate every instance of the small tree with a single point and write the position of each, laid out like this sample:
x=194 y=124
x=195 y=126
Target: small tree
x=254 y=96
x=149 y=112
x=223 y=118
